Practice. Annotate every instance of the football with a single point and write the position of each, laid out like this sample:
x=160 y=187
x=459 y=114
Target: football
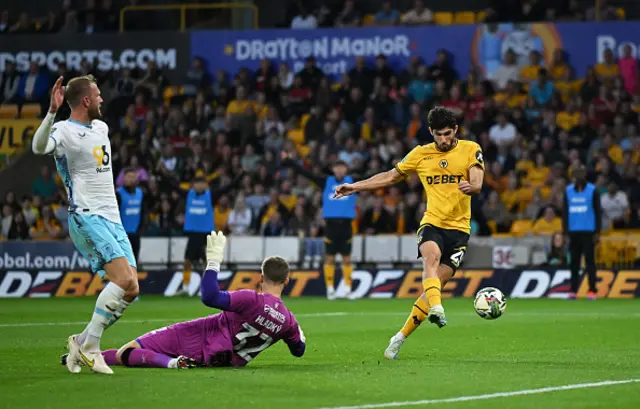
x=490 y=303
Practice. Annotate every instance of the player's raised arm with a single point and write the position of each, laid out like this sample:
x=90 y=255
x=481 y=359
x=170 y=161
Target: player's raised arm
x=43 y=143
x=210 y=292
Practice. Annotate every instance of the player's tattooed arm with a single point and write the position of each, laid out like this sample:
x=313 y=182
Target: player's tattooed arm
x=383 y=179
x=474 y=185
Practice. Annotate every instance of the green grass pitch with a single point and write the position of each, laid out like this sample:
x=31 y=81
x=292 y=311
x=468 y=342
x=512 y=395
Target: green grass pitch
x=536 y=344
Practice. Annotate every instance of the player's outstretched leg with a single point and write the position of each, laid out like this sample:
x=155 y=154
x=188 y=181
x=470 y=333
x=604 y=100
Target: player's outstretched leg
x=418 y=315
x=84 y=349
x=431 y=283
x=133 y=354
x=145 y=359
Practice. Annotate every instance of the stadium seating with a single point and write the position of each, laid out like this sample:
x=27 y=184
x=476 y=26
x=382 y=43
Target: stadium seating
x=9 y=111
x=443 y=18
x=369 y=20
x=621 y=13
x=304 y=119
x=30 y=111
x=521 y=227
x=171 y=92
x=296 y=136
x=464 y=17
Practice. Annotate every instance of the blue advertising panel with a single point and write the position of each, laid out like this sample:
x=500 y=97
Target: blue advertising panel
x=334 y=49
x=481 y=46
x=40 y=255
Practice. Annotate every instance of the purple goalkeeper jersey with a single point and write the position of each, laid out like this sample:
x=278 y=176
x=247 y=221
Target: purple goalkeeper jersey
x=252 y=323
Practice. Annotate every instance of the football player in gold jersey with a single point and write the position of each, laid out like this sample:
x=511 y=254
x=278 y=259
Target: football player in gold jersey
x=451 y=170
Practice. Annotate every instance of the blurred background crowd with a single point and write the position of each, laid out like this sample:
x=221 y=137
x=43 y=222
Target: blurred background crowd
x=534 y=123
x=96 y=16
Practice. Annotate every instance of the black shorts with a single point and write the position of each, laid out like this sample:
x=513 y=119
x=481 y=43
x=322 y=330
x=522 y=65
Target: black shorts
x=338 y=236
x=452 y=244
x=196 y=247
x=134 y=239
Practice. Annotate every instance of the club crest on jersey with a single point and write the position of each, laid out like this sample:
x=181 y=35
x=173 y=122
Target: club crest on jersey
x=102 y=158
x=444 y=163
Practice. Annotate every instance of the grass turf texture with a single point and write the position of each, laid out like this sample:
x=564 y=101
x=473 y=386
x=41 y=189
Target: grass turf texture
x=536 y=344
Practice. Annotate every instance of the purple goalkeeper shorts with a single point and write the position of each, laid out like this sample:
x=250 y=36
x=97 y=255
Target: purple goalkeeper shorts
x=184 y=338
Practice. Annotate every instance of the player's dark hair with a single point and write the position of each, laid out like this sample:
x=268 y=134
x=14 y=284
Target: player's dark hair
x=275 y=269
x=130 y=170
x=441 y=118
x=78 y=88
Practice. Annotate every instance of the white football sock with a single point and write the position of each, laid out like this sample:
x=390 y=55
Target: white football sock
x=109 y=307
x=120 y=309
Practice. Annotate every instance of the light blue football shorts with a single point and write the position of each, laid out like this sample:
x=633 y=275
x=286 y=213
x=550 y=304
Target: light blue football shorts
x=99 y=240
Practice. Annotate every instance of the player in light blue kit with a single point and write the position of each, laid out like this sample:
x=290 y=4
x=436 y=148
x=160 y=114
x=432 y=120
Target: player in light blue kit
x=82 y=151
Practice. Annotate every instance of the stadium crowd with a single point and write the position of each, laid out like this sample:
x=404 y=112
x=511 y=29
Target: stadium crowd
x=534 y=123
x=96 y=16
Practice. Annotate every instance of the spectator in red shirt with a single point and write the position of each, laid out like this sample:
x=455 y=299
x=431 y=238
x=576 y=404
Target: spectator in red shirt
x=476 y=103
x=604 y=107
x=262 y=77
x=141 y=108
x=455 y=102
x=299 y=97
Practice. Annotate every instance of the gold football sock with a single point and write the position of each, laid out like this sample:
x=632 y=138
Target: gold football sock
x=186 y=276
x=329 y=274
x=347 y=271
x=418 y=315
x=432 y=291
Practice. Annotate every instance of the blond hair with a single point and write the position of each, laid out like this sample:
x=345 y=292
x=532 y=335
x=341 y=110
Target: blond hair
x=78 y=88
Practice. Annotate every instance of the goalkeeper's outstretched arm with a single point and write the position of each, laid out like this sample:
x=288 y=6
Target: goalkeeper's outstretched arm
x=210 y=292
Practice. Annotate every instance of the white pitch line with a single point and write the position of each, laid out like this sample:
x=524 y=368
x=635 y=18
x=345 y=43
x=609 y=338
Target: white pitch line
x=489 y=396
x=331 y=314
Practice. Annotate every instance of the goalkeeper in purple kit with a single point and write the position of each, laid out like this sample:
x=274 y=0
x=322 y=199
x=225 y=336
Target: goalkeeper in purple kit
x=249 y=323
